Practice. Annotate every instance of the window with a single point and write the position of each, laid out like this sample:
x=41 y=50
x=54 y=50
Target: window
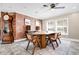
x=38 y=25
x=27 y=22
x=58 y=25
x=51 y=26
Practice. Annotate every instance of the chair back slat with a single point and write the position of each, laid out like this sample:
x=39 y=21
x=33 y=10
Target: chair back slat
x=56 y=35
x=53 y=36
x=29 y=37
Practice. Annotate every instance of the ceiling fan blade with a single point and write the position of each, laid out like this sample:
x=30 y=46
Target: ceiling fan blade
x=58 y=7
x=45 y=5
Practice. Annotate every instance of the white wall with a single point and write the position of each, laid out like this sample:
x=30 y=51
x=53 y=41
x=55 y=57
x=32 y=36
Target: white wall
x=33 y=23
x=38 y=23
x=44 y=27
x=74 y=25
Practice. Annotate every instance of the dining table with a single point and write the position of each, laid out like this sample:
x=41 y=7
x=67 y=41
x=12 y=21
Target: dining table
x=42 y=35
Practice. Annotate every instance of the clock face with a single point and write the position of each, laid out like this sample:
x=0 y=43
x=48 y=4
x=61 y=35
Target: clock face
x=6 y=17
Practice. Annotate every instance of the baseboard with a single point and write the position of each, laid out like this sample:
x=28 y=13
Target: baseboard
x=77 y=40
x=71 y=39
x=18 y=40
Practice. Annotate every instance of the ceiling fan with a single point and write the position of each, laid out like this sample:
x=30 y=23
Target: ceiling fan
x=53 y=6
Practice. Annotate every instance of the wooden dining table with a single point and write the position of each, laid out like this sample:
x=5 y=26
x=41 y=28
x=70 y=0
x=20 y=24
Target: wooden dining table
x=42 y=36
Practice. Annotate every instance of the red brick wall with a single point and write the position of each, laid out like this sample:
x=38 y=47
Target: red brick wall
x=20 y=25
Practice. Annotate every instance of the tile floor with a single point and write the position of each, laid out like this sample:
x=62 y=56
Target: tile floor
x=67 y=47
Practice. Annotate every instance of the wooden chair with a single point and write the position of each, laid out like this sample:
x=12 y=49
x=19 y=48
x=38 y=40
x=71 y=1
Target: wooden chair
x=59 y=36
x=53 y=38
x=34 y=40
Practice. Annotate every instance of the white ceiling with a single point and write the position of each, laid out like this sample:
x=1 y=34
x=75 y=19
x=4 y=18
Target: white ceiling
x=37 y=10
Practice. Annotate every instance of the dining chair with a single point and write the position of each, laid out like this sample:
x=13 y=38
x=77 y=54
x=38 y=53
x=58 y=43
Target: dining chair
x=34 y=40
x=53 y=38
x=59 y=36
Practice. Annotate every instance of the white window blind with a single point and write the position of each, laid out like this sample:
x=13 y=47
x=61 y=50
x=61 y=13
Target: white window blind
x=58 y=25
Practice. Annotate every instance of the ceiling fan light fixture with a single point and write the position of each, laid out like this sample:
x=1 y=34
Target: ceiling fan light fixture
x=52 y=9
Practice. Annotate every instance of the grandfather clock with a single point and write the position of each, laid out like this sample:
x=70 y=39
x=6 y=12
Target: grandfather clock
x=7 y=28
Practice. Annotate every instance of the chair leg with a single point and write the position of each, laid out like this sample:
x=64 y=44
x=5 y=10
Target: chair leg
x=33 y=50
x=59 y=40
x=56 y=43
x=27 y=45
x=39 y=45
x=47 y=42
x=52 y=44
